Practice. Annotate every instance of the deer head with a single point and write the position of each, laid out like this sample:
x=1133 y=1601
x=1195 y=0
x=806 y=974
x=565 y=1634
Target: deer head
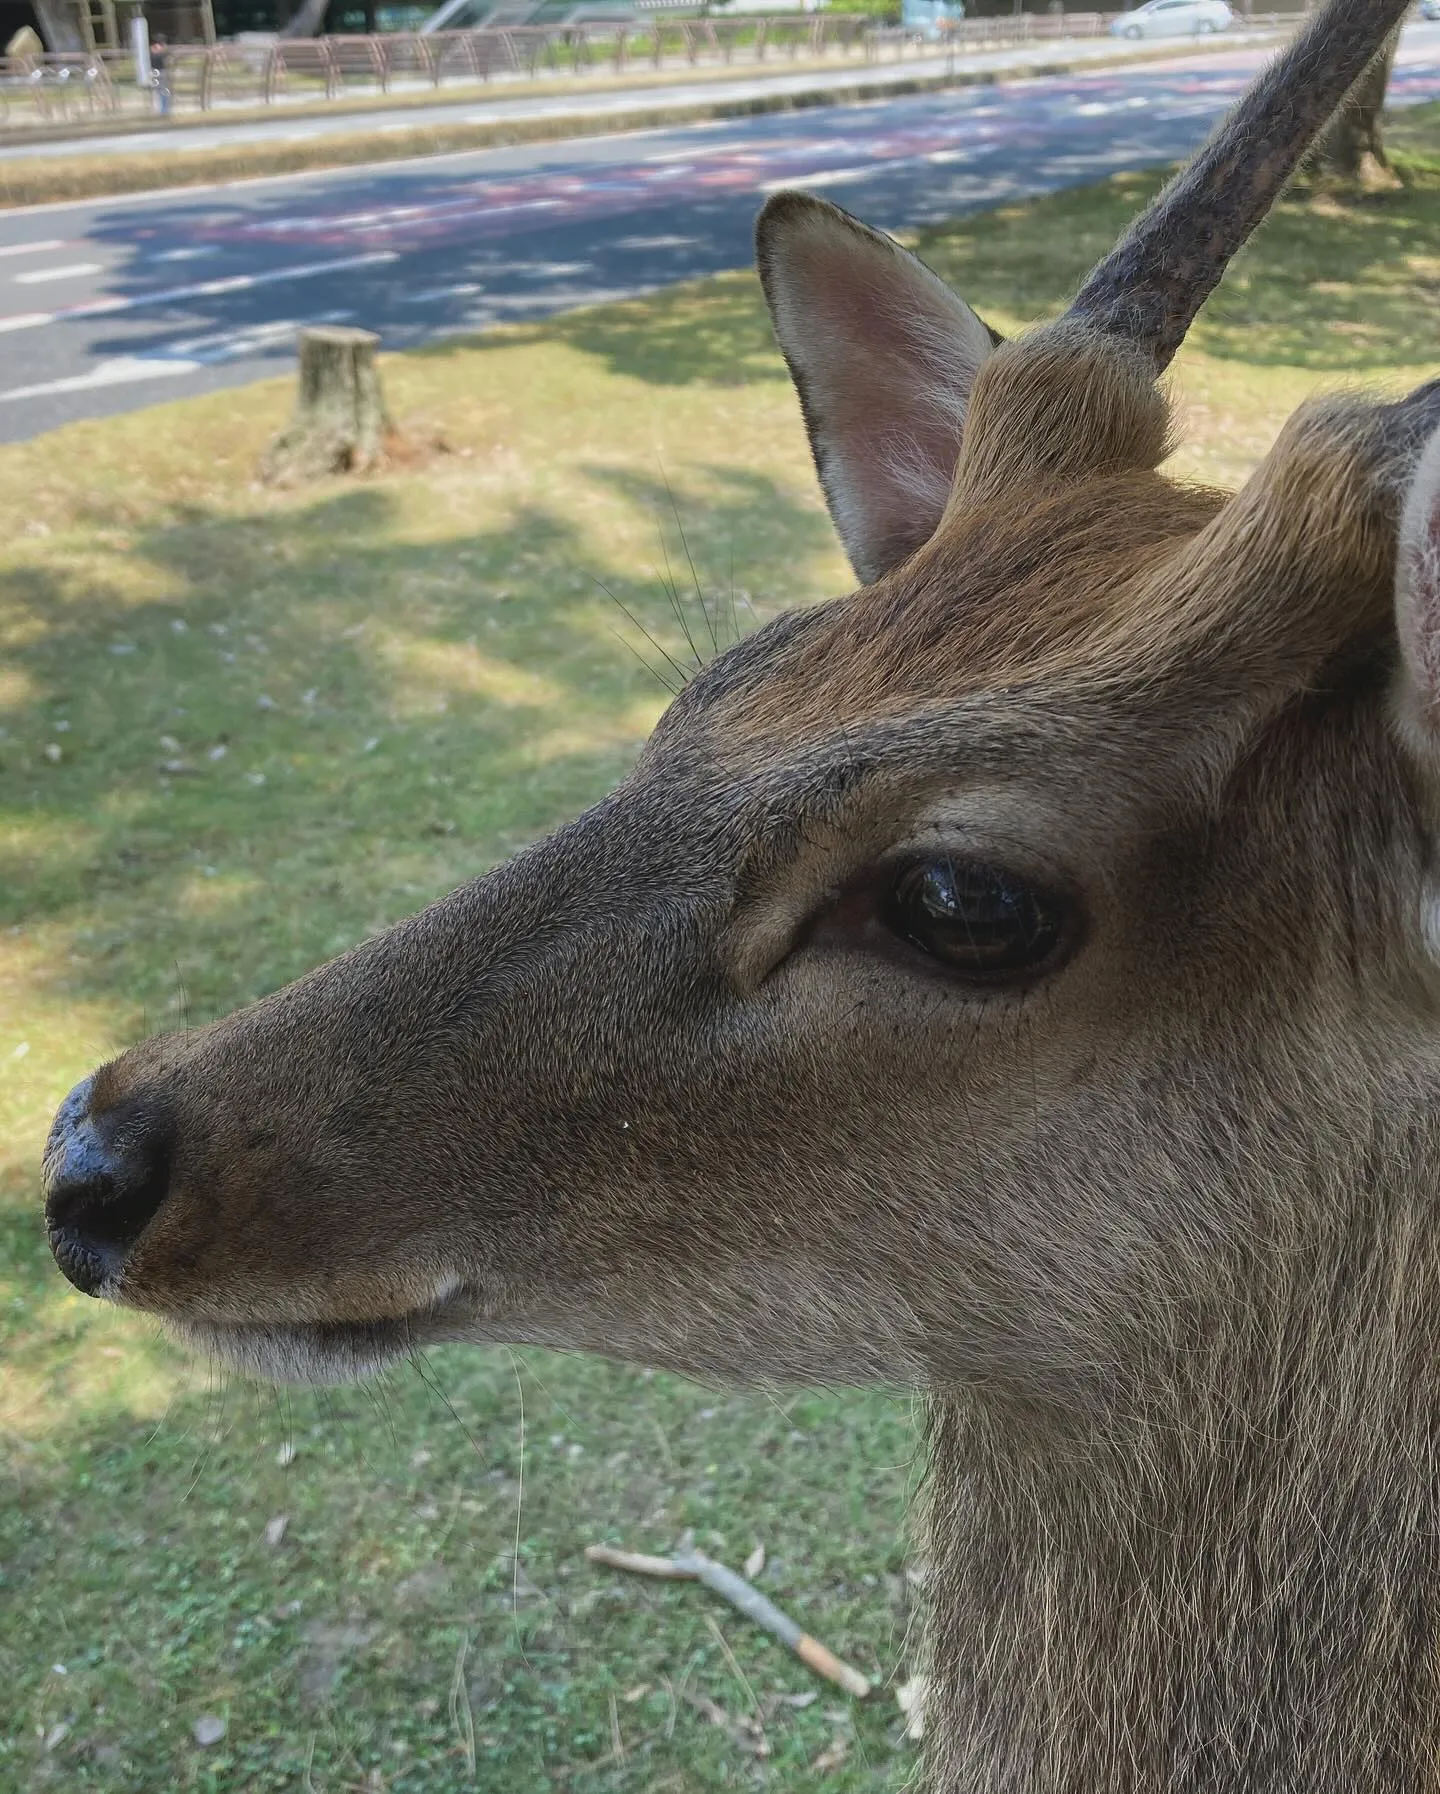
x=971 y=968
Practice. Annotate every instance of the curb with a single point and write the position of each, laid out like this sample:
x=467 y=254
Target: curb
x=41 y=181
x=394 y=106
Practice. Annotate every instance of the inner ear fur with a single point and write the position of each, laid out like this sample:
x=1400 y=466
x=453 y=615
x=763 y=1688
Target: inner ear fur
x=883 y=356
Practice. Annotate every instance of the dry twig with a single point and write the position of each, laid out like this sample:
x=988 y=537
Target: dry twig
x=694 y=1566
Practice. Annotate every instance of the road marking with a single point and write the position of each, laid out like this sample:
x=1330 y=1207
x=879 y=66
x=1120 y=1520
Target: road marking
x=203 y=289
x=34 y=248
x=225 y=345
x=670 y=242
x=462 y=291
x=173 y=360
x=72 y=271
x=116 y=372
x=191 y=254
x=830 y=177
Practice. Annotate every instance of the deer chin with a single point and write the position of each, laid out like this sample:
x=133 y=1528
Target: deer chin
x=329 y=1351
x=317 y=1351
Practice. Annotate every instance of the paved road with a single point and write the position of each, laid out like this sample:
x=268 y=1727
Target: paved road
x=110 y=305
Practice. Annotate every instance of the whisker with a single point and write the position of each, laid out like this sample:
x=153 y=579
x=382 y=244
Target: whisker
x=681 y=674
x=734 y=615
x=184 y=996
x=426 y=1374
x=672 y=592
x=690 y=559
x=654 y=672
x=519 y=1491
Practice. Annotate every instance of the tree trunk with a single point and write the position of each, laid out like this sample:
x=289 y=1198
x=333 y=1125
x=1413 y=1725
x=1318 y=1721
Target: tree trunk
x=57 y=26
x=1350 y=151
x=308 y=19
x=340 y=423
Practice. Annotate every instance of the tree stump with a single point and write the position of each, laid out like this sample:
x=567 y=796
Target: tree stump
x=1349 y=153
x=340 y=423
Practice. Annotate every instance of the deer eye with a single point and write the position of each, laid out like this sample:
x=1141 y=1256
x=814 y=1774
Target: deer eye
x=979 y=920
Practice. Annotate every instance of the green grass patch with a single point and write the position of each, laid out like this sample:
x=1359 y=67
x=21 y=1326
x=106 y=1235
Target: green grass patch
x=240 y=729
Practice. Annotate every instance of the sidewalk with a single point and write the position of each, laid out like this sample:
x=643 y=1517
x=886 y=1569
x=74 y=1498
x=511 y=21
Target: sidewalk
x=128 y=161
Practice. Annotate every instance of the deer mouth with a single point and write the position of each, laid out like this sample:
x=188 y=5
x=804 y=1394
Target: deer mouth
x=324 y=1351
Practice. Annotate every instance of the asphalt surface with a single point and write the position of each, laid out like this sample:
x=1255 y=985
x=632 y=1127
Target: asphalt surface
x=109 y=305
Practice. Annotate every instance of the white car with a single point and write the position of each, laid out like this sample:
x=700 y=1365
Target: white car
x=1174 y=18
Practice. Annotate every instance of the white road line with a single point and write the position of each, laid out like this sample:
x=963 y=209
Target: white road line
x=831 y=177
x=203 y=289
x=463 y=290
x=225 y=345
x=663 y=242
x=118 y=371
x=192 y=253
x=172 y=360
x=34 y=248
x=72 y=271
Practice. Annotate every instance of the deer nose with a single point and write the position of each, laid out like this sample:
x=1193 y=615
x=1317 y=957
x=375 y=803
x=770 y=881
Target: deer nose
x=100 y=1193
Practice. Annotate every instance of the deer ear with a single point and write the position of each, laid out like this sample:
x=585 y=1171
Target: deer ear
x=1417 y=594
x=883 y=356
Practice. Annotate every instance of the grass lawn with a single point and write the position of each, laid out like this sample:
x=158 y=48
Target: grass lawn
x=240 y=729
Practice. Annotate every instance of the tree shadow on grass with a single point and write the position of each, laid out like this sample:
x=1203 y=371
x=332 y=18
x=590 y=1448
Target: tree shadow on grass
x=713 y=332
x=319 y=726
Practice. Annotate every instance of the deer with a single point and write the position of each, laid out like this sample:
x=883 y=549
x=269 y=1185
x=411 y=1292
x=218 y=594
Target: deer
x=1017 y=980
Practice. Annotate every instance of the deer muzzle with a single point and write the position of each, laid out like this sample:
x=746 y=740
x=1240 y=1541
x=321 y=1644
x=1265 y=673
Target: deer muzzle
x=445 y=1119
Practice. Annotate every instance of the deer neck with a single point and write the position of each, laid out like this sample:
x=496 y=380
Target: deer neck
x=1239 y=1591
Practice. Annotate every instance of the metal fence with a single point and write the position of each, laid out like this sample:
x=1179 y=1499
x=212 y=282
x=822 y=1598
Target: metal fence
x=66 y=89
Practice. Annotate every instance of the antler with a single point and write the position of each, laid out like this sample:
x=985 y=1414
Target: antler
x=1153 y=282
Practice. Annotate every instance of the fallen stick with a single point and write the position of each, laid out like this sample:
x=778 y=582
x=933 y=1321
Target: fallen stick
x=694 y=1566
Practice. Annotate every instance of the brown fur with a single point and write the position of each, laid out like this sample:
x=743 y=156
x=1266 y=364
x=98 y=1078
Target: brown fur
x=1160 y=1234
